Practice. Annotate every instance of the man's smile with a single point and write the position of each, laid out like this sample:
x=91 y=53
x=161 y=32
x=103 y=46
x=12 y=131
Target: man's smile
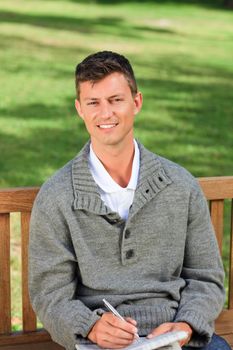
x=107 y=126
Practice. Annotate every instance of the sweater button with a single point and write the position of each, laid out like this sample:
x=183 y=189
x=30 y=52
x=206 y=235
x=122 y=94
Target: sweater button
x=129 y=254
x=127 y=234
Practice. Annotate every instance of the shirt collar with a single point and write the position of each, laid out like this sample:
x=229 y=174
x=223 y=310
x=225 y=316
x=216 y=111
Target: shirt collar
x=104 y=180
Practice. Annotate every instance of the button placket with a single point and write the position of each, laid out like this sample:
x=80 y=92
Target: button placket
x=128 y=247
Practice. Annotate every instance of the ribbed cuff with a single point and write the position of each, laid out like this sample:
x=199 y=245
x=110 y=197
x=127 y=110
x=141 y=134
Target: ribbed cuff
x=147 y=316
x=203 y=330
x=88 y=321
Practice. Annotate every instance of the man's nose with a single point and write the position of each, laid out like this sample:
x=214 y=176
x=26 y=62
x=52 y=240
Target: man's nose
x=106 y=110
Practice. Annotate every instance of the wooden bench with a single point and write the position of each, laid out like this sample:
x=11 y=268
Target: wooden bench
x=216 y=189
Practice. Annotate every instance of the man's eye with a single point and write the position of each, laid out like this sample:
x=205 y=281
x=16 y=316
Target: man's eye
x=117 y=99
x=91 y=103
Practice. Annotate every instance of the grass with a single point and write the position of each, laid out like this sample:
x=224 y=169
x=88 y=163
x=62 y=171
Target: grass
x=182 y=56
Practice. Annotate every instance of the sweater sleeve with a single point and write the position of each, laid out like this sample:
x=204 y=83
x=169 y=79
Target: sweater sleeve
x=203 y=296
x=53 y=279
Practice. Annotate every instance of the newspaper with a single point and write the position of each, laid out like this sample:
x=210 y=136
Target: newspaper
x=166 y=341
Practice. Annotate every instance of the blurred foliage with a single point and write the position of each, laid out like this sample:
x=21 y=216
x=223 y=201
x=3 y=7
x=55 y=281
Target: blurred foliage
x=205 y=3
x=182 y=56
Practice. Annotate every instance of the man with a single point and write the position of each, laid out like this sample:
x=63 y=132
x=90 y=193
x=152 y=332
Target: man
x=121 y=223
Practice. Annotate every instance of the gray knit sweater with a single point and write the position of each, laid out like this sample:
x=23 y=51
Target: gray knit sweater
x=161 y=265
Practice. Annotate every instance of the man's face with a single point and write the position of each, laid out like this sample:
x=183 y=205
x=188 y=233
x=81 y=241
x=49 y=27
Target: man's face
x=108 y=110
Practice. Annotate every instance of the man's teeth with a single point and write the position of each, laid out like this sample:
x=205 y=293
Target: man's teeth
x=108 y=126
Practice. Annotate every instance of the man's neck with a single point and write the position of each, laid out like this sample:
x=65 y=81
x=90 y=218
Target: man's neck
x=117 y=161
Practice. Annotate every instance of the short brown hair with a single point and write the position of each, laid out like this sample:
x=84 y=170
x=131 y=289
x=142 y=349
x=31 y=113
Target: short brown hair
x=99 y=65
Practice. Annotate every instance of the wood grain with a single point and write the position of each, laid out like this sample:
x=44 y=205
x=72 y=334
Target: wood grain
x=29 y=317
x=39 y=336
x=230 y=295
x=17 y=199
x=217 y=187
x=5 y=290
x=216 y=213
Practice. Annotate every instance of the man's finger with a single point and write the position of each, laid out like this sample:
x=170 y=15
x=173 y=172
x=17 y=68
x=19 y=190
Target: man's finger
x=131 y=320
x=120 y=341
x=123 y=325
x=163 y=328
x=119 y=334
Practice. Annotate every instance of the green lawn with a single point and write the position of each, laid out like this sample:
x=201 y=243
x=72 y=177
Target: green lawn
x=182 y=55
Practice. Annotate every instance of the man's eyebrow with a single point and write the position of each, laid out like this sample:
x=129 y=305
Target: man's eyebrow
x=117 y=95
x=91 y=98
x=109 y=97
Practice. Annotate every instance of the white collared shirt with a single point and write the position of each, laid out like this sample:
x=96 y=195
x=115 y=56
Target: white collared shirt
x=117 y=198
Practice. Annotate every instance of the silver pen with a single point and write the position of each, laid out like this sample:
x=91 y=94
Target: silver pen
x=115 y=312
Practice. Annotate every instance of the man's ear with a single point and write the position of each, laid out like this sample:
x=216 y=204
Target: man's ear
x=138 y=100
x=78 y=108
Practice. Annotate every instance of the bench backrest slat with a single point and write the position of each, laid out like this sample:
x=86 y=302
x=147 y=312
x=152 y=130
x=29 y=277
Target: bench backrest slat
x=17 y=199
x=216 y=213
x=5 y=289
x=217 y=187
x=230 y=295
x=29 y=317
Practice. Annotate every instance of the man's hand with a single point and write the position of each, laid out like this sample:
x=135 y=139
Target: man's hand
x=111 y=332
x=169 y=327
